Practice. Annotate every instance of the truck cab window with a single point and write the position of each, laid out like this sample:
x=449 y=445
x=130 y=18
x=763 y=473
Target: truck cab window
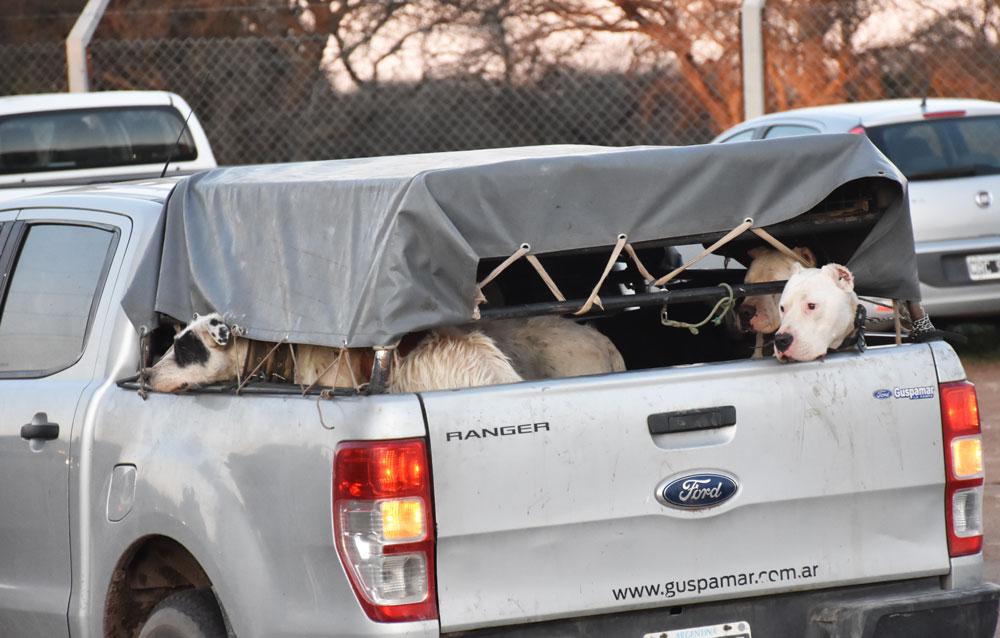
x=54 y=285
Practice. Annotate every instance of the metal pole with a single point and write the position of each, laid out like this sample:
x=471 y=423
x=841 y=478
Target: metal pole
x=684 y=295
x=752 y=35
x=76 y=45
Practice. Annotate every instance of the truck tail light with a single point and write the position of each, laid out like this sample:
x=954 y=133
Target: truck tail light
x=963 y=460
x=857 y=130
x=384 y=527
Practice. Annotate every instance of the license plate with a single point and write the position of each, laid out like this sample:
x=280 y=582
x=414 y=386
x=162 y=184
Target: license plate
x=726 y=630
x=983 y=267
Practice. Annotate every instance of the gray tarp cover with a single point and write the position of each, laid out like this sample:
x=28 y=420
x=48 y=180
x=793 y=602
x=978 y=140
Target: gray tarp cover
x=363 y=251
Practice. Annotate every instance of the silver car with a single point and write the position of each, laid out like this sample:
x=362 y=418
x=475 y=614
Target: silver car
x=949 y=149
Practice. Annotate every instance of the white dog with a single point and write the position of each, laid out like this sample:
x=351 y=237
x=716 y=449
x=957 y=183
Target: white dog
x=206 y=352
x=818 y=308
x=760 y=312
x=554 y=347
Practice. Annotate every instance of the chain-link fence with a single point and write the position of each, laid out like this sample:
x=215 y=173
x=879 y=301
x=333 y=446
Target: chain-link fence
x=34 y=67
x=276 y=83
x=258 y=104
x=855 y=50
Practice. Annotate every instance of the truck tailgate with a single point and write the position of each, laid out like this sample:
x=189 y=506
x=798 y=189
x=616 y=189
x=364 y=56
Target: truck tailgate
x=548 y=495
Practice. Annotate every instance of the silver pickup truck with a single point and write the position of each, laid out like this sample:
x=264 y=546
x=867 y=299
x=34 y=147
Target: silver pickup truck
x=733 y=497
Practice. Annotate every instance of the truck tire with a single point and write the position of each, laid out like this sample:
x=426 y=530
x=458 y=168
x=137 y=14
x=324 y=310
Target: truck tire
x=192 y=613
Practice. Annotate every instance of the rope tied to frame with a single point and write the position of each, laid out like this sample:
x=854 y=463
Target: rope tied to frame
x=725 y=239
x=622 y=244
x=523 y=251
x=594 y=299
x=780 y=246
x=715 y=315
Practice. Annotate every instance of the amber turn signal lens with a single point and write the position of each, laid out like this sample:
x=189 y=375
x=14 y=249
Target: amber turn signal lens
x=402 y=519
x=967 y=456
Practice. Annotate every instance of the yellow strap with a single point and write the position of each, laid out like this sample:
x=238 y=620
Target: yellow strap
x=537 y=265
x=646 y=275
x=517 y=254
x=593 y=298
x=779 y=246
x=728 y=237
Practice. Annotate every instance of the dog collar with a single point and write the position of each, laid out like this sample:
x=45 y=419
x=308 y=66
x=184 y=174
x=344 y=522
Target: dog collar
x=856 y=340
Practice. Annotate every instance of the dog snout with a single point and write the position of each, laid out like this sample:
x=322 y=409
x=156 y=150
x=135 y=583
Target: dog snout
x=747 y=312
x=224 y=335
x=782 y=341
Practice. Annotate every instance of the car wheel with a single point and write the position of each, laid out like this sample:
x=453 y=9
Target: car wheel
x=192 y=613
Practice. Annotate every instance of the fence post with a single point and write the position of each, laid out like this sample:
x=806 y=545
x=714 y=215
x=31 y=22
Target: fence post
x=752 y=36
x=76 y=44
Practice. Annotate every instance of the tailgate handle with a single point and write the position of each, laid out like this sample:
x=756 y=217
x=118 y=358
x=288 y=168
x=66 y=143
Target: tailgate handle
x=690 y=420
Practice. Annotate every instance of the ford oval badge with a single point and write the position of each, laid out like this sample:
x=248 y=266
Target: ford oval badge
x=697 y=491
x=882 y=394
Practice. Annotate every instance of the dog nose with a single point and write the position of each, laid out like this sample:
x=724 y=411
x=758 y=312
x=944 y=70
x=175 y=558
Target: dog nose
x=747 y=312
x=782 y=341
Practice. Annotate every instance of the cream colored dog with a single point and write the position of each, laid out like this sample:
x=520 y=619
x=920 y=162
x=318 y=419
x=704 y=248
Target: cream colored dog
x=554 y=347
x=818 y=308
x=760 y=312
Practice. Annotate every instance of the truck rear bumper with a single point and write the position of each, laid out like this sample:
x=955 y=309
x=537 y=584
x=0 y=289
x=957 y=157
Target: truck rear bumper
x=909 y=609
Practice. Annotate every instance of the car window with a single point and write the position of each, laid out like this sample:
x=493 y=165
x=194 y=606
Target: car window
x=942 y=148
x=53 y=287
x=94 y=138
x=789 y=130
x=742 y=136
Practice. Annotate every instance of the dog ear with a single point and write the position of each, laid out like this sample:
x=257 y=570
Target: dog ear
x=757 y=251
x=840 y=275
x=195 y=318
x=806 y=255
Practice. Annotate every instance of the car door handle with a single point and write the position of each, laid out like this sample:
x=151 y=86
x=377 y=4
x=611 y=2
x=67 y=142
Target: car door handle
x=691 y=420
x=40 y=428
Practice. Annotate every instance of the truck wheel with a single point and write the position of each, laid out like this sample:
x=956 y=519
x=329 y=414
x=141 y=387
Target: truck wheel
x=192 y=613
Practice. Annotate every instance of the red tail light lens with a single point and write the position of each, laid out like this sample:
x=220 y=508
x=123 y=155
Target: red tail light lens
x=857 y=130
x=963 y=466
x=384 y=527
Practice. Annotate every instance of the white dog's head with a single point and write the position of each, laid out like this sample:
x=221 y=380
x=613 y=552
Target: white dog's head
x=817 y=308
x=200 y=354
x=760 y=312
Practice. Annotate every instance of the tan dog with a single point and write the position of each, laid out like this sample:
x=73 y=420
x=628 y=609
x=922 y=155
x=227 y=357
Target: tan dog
x=760 y=312
x=818 y=308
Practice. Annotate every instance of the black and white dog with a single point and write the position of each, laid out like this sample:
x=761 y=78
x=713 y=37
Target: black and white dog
x=206 y=351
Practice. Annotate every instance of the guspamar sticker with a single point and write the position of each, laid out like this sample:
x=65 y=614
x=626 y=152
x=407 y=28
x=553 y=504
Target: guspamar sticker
x=919 y=392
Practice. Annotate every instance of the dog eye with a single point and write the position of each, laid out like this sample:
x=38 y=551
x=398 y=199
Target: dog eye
x=811 y=306
x=214 y=322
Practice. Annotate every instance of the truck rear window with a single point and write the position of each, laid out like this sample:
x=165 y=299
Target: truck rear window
x=942 y=148
x=92 y=138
